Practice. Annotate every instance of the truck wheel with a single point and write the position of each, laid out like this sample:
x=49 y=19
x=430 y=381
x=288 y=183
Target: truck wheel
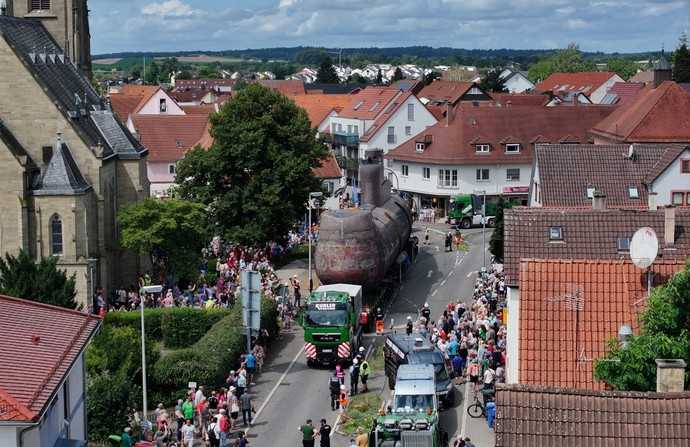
x=466 y=223
x=310 y=363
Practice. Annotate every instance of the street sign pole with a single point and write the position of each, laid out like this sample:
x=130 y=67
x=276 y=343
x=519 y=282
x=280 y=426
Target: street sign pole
x=251 y=303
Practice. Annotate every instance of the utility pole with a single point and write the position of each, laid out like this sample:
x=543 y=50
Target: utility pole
x=310 y=205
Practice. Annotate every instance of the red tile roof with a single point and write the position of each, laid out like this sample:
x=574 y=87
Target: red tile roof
x=587 y=234
x=169 y=137
x=655 y=115
x=40 y=344
x=124 y=105
x=555 y=417
x=187 y=96
x=566 y=171
x=288 y=87
x=469 y=126
x=445 y=91
x=570 y=309
x=319 y=105
x=203 y=109
x=585 y=82
x=329 y=168
x=520 y=99
x=381 y=120
x=369 y=103
x=625 y=91
x=202 y=84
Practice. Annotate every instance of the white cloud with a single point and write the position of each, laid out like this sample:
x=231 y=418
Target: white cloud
x=659 y=9
x=576 y=24
x=170 y=8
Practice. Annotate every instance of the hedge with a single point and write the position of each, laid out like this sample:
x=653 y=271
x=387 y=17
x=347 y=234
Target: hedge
x=210 y=359
x=175 y=327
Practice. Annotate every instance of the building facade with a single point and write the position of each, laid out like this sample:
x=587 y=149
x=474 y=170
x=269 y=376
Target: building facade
x=68 y=165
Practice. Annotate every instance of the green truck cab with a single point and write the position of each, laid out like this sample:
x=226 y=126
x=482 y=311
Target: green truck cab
x=411 y=418
x=332 y=330
x=466 y=211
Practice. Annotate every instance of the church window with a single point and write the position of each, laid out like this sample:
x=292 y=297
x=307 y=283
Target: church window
x=39 y=5
x=56 y=235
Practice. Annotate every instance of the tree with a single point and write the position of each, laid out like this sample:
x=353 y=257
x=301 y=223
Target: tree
x=326 y=73
x=431 y=77
x=184 y=74
x=625 y=68
x=568 y=60
x=171 y=232
x=40 y=281
x=397 y=75
x=357 y=79
x=379 y=78
x=663 y=334
x=493 y=82
x=256 y=178
x=681 y=65
x=497 y=237
x=152 y=73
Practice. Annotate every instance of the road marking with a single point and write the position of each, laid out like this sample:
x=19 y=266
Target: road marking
x=437 y=231
x=470 y=274
x=452 y=272
x=466 y=404
x=428 y=275
x=275 y=387
x=436 y=247
x=337 y=419
x=443 y=283
x=434 y=293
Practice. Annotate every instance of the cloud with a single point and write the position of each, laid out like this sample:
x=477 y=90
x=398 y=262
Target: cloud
x=170 y=8
x=597 y=25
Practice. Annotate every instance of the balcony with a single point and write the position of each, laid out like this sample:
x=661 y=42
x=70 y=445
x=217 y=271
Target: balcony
x=345 y=139
x=350 y=164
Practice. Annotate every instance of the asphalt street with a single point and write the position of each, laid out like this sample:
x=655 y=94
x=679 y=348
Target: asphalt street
x=288 y=392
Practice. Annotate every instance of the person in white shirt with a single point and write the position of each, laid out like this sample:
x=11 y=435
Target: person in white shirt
x=188 y=434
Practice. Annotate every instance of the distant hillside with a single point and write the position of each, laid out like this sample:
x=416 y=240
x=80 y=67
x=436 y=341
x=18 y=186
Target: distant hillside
x=396 y=55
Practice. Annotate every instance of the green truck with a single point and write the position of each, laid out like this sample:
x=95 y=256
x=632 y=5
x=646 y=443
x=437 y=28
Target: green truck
x=411 y=419
x=466 y=211
x=332 y=323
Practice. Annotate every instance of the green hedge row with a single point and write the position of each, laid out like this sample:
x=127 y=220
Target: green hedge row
x=176 y=327
x=210 y=359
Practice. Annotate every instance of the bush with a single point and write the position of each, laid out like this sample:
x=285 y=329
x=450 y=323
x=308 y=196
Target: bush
x=175 y=327
x=112 y=398
x=116 y=348
x=182 y=327
x=210 y=359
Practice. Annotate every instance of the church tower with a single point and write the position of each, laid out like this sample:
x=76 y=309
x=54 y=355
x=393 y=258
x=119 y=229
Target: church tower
x=66 y=20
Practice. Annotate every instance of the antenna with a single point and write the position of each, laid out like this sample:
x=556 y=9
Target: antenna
x=644 y=248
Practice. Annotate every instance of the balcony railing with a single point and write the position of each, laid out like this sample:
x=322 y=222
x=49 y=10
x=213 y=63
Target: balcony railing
x=346 y=139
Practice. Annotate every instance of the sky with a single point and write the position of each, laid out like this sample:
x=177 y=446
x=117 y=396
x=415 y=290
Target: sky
x=596 y=25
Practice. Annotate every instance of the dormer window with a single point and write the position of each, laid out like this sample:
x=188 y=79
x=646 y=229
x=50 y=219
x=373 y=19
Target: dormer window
x=590 y=192
x=419 y=147
x=633 y=193
x=482 y=148
x=163 y=106
x=178 y=143
x=512 y=148
x=555 y=233
x=39 y=5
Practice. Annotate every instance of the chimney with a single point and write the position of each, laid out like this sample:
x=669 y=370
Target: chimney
x=670 y=375
x=669 y=225
x=599 y=201
x=651 y=200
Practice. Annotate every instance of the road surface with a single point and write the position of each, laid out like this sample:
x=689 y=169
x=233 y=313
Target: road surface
x=288 y=392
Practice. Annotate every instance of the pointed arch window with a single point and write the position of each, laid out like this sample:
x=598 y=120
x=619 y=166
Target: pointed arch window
x=56 y=247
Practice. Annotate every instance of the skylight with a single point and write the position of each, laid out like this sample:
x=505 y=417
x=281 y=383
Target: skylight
x=633 y=192
x=555 y=234
x=590 y=192
x=376 y=104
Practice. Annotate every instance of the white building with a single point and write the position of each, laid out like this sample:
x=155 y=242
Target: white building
x=516 y=81
x=43 y=375
x=376 y=118
x=478 y=149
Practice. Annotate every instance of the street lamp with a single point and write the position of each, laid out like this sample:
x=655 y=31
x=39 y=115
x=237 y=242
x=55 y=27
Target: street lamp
x=483 y=192
x=142 y=293
x=397 y=180
x=310 y=205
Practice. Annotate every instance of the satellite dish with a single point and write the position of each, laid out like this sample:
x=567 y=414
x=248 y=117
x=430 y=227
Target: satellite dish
x=644 y=247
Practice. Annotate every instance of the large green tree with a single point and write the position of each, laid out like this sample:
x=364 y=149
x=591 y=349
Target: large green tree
x=326 y=73
x=496 y=243
x=493 y=82
x=625 y=68
x=681 y=61
x=171 y=232
x=664 y=333
x=397 y=75
x=21 y=276
x=257 y=176
x=567 y=60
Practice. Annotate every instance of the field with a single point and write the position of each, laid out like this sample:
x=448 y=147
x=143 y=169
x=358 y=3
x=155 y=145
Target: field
x=111 y=61
x=205 y=59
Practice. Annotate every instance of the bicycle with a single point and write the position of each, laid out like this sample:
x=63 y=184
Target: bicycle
x=478 y=409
